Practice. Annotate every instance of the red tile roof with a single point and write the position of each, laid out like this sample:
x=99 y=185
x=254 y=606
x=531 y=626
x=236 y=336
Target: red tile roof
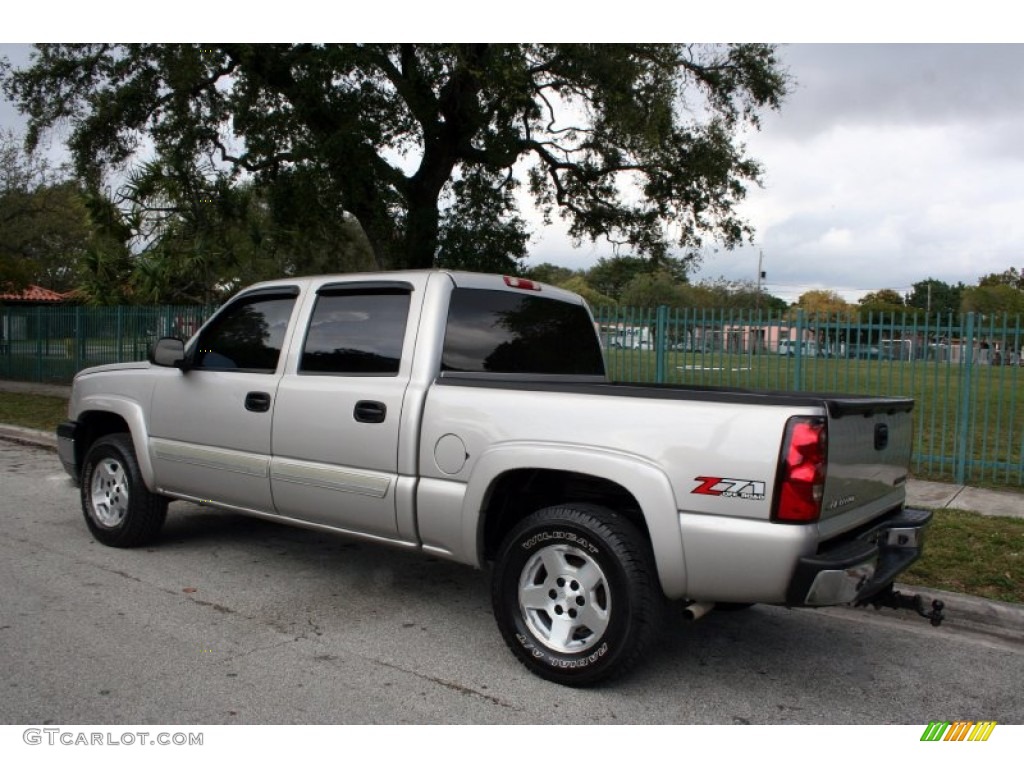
x=34 y=293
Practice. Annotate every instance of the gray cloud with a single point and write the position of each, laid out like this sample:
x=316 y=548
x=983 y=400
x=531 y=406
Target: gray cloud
x=894 y=85
x=889 y=164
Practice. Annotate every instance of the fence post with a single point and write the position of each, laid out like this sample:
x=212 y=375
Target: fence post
x=964 y=406
x=660 y=331
x=5 y=340
x=79 y=343
x=39 y=342
x=119 y=335
x=798 y=358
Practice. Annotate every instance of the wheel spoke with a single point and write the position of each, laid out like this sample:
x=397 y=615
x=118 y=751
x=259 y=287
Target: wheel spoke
x=594 y=618
x=554 y=562
x=561 y=632
x=590 y=576
x=535 y=597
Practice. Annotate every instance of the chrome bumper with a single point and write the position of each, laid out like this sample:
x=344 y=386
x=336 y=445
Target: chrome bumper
x=856 y=569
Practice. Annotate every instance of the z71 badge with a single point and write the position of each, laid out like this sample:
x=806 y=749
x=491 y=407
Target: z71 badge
x=730 y=488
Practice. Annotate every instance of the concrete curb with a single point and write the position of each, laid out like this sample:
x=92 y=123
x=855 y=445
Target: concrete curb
x=37 y=437
x=973 y=613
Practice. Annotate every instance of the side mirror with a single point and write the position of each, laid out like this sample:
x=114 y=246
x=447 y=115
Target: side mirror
x=168 y=352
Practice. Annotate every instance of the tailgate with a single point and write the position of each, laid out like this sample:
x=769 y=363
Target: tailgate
x=869 y=444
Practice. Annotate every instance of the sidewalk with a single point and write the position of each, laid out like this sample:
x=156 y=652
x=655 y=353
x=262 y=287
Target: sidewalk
x=983 y=501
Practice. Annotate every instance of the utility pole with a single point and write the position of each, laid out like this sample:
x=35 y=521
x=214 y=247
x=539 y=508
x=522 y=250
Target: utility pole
x=761 y=341
x=760 y=277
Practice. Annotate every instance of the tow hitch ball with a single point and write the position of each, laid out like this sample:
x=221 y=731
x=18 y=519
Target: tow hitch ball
x=890 y=598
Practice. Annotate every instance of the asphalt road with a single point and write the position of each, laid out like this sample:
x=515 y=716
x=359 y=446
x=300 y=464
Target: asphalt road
x=290 y=626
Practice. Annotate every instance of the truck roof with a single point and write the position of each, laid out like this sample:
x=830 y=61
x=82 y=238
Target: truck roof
x=462 y=279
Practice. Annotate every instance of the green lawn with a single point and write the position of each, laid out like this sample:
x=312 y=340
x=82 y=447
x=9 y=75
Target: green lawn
x=36 y=411
x=972 y=554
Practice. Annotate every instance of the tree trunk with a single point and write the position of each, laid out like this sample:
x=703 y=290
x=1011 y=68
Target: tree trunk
x=421 y=232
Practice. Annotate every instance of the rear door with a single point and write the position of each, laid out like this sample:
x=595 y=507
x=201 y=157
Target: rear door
x=337 y=416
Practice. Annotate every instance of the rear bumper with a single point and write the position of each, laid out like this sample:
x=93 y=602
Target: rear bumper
x=67 y=434
x=856 y=569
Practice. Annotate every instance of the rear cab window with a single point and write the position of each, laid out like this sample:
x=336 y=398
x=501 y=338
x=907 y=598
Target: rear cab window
x=506 y=332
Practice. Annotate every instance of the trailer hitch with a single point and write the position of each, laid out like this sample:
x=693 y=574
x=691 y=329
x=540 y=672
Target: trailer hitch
x=890 y=598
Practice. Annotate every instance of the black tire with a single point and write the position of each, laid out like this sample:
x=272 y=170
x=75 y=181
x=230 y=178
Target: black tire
x=576 y=595
x=119 y=509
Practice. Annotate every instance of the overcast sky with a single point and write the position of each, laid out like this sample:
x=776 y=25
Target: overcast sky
x=887 y=164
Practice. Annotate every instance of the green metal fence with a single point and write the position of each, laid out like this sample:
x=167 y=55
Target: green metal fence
x=965 y=374
x=51 y=344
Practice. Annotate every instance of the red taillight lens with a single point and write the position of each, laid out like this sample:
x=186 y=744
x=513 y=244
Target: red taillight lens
x=801 y=471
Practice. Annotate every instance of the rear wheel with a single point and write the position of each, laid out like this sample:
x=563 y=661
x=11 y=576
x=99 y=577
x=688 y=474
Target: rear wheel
x=575 y=594
x=119 y=509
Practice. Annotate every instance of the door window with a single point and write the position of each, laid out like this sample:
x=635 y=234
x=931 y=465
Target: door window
x=246 y=336
x=356 y=333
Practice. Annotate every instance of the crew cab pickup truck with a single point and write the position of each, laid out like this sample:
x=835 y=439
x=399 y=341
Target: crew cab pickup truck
x=469 y=417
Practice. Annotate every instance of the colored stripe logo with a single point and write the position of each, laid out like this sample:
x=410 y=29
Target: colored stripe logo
x=959 y=730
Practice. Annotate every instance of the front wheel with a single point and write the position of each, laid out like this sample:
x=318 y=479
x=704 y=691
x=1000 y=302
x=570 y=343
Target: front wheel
x=575 y=594
x=119 y=509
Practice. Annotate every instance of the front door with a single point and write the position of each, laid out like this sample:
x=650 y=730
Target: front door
x=210 y=426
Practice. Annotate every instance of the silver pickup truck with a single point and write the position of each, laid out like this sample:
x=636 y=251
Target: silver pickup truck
x=468 y=416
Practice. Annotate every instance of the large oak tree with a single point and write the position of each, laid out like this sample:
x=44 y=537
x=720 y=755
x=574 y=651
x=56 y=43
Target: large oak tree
x=426 y=145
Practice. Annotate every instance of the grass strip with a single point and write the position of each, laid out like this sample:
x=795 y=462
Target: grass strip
x=35 y=411
x=972 y=554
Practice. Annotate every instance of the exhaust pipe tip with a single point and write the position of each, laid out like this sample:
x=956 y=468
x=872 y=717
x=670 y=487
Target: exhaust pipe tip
x=697 y=610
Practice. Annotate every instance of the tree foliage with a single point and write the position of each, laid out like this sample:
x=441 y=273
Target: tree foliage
x=612 y=276
x=197 y=238
x=1012 y=277
x=886 y=301
x=425 y=144
x=44 y=222
x=822 y=305
x=653 y=289
x=936 y=296
x=993 y=299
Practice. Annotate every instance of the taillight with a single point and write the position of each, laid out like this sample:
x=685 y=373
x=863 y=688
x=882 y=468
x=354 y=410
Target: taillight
x=801 y=481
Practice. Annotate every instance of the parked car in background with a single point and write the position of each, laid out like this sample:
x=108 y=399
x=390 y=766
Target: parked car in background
x=790 y=348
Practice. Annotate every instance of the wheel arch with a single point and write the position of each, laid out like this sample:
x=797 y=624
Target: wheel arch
x=98 y=417
x=512 y=481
